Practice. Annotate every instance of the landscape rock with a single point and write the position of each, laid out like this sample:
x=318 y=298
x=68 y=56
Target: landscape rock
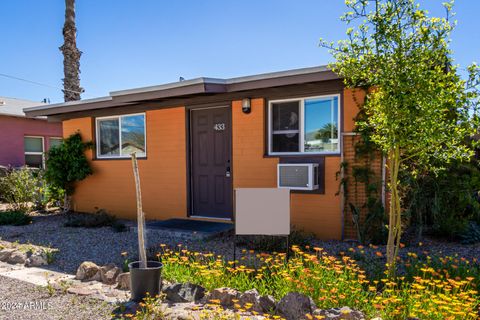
x=256 y=302
x=267 y=303
x=5 y=254
x=123 y=281
x=225 y=296
x=81 y=291
x=109 y=273
x=88 y=271
x=295 y=306
x=184 y=292
x=251 y=297
x=36 y=259
x=165 y=283
x=344 y=313
x=17 y=257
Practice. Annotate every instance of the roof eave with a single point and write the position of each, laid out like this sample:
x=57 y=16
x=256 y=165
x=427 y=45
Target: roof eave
x=185 y=88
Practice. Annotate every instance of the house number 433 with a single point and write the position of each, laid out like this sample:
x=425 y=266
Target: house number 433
x=219 y=126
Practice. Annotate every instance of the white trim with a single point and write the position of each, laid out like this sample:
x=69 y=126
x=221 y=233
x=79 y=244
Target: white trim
x=119 y=118
x=285 y=131
x=301 y=126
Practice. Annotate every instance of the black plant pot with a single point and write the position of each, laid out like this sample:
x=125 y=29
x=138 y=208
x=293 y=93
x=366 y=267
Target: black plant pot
x=145 y=280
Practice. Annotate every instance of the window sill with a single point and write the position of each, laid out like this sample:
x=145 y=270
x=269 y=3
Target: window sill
x=301 y=155
x=117 y=158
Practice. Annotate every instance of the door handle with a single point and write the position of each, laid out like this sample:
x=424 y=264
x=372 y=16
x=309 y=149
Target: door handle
x=227 y=173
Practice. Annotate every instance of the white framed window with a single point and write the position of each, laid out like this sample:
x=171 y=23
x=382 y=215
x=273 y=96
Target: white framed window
x=307 y=125
x=34 y=151
x=54 y=141
x=120 y=136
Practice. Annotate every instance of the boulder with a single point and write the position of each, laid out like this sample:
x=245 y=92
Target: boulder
x=36 y=259
x=224 y=296
x=343 y=313
x=250 y=300
x=17 y=257
x=88 y=271
x=267 y=303
x=123 y=281
x=253 y=301
x=165 y=283
x=5 y=254
x=109 y=273
x=184 y=292
x=295 y=306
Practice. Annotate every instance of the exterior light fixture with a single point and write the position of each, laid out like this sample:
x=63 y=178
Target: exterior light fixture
x=246 y=106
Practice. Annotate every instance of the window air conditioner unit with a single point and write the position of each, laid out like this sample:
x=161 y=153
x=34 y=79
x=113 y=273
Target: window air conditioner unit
x=297 y=176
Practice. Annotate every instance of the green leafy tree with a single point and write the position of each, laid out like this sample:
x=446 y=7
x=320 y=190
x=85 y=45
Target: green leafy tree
x=67 y=164
x=419 y=110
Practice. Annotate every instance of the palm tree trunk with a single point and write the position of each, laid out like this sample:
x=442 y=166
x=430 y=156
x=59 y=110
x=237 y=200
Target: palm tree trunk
x=71 y=55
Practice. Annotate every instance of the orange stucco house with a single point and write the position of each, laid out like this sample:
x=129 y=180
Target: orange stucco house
x=199 y=139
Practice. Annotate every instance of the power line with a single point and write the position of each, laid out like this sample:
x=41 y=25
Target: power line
x=37 y=83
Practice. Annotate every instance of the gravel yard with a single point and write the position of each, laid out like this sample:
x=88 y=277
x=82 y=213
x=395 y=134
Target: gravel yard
x=21 y=300
x=104 y=245
x=99 y=245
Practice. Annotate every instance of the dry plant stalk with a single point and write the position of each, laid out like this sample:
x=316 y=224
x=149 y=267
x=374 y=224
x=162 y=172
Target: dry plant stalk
x=140 y=214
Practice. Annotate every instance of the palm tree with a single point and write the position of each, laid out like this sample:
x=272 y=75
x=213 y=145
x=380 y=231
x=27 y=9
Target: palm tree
x=71 y=55
x=328 y=131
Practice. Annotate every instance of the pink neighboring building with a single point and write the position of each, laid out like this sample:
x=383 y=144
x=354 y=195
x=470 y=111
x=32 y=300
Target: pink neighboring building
x=24 y=141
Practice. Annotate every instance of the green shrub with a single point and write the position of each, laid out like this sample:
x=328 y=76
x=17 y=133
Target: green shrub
x=92 y=220
x=15 y=218
x=445 y=203
x=21 y=188
x=67 y=164
x=52 y=195
x=472 y=234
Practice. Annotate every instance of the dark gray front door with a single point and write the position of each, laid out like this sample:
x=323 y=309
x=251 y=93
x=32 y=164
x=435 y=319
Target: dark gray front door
x=211 y=181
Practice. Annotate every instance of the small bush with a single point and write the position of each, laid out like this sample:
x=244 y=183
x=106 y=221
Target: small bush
x=52 y=195
x=444 y=204
x=92 y=220
x=472 y=234
x=15 y=218
x=21 y=188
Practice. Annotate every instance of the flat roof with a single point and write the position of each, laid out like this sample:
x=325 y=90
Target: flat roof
x=197 y=86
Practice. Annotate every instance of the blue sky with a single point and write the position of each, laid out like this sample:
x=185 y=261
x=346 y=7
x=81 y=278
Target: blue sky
x=130 y=44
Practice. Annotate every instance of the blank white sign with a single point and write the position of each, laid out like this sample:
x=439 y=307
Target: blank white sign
x=262 y=211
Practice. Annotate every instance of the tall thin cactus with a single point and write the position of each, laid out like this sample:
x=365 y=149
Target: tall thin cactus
x=140 y=214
